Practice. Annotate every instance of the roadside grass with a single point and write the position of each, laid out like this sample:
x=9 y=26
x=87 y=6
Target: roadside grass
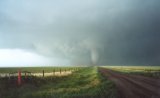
x=149 y=71
x=84 y=83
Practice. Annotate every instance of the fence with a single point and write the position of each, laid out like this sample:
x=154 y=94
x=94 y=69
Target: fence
x=20 y=77
x=43 y=73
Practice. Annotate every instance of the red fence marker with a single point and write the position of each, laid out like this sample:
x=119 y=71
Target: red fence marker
x=19 y=77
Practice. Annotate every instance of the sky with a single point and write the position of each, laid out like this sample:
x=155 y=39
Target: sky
x=79 y=32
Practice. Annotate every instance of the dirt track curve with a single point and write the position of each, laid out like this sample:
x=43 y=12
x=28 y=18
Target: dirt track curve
x=133 y=86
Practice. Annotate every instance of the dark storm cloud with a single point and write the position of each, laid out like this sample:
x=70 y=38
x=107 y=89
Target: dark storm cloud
x=84 y=32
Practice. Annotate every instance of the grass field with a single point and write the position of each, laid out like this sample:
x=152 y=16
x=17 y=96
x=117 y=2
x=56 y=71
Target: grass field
x=150 y=71
x=83 y=83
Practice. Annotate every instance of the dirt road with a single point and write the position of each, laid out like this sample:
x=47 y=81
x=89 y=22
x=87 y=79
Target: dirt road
x=133 y=86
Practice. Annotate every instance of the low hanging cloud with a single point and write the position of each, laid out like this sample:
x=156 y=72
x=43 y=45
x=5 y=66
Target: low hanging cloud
x=85 y=32
x=87 y=49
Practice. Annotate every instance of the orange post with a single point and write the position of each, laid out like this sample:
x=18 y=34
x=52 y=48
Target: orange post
x=19 y=77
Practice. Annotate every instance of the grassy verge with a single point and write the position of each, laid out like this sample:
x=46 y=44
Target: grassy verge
x=85 y=83
x=149 y=71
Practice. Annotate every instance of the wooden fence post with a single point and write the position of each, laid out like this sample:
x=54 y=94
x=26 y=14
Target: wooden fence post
x=43 y=73
x=25 y=75
x=53 y=71
x=60 y=70
x=9 y=75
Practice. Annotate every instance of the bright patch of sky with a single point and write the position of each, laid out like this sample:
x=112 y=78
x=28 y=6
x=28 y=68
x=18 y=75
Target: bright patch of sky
x=19 y=57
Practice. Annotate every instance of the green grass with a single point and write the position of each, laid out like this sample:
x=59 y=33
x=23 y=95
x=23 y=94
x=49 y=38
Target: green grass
x=84 y=83
x=149 y=71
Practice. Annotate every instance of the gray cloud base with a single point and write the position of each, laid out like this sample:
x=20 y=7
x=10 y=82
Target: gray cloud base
x=86 y=32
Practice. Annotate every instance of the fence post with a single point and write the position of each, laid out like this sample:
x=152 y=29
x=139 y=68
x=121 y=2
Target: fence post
x=9 y=75
x=60 y=70
x=25 y=75
x=43 y=73
x=53 y=72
